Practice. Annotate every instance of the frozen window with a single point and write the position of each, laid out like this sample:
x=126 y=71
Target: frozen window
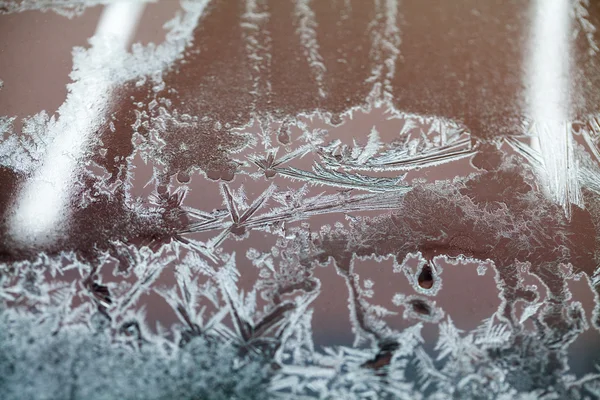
x=299 y=199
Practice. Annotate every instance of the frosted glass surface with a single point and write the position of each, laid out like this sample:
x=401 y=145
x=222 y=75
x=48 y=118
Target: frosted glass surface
x=279 y=199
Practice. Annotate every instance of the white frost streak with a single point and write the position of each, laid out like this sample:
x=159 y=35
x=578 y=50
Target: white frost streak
x=41 y=211
x=258 y=46
x=386 y=46
x=308 y=38
x=548 y=97
x=43 y=200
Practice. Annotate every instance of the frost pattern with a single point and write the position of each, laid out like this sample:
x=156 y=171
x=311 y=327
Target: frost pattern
x=24 y=152
x=67 y=8
x=233 y=233
x=586 y=27
x=386 y=42
x=308 y=38
x=548 y=97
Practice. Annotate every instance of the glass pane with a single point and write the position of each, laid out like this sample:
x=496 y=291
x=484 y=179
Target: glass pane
x=299 y=199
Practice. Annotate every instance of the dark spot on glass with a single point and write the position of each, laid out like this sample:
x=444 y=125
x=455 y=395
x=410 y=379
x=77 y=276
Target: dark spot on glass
x=238 y=230
x=283 y=138
x=426 y=277
x=102 y=292
x=420 y=307
x=183 y=177
x=213 y=175
x=227 y=175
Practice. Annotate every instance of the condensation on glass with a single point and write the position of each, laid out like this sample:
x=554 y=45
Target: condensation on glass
x=339 y=199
